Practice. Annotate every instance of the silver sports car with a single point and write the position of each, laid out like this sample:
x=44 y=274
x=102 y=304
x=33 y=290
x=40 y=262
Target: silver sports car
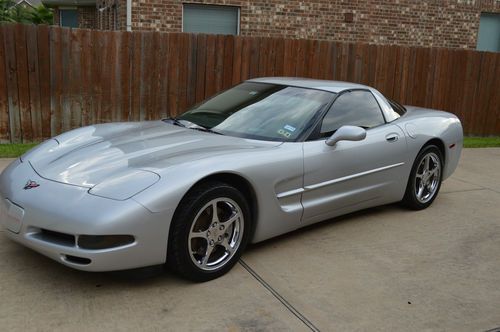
x=263 y=158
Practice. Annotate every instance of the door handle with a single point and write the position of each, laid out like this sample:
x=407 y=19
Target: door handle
x=392 y=137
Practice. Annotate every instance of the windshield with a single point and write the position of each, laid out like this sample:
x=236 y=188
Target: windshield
x=260 y=111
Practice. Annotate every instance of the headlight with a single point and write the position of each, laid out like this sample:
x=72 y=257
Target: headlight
x=42 y=150
x=125 y=185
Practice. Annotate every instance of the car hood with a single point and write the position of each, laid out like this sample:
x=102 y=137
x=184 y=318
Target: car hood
x=90 y=155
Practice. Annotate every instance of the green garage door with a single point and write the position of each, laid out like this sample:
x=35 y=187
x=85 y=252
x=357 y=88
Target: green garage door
x=489 y=33
x=222 y=20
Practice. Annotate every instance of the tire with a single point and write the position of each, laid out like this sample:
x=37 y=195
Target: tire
x=425 y=179
x=195 y=233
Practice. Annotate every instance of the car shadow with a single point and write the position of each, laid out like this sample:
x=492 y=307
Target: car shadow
x=299 y=234
x=47 y=269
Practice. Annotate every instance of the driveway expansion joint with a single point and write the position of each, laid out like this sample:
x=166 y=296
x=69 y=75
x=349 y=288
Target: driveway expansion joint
x=475 y=184
x=280 y=298
x=463 y=191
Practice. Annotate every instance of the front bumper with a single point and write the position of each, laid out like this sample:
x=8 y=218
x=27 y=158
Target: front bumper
x=71 y=211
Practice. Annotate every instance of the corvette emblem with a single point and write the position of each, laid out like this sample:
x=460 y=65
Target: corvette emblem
x=30 y=185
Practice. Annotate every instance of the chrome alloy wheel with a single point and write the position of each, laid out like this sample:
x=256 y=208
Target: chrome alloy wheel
x=427 y=177
x=215 y=233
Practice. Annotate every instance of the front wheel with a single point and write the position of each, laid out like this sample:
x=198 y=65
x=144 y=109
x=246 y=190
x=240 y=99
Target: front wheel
x=425 y=179
x=210 y=229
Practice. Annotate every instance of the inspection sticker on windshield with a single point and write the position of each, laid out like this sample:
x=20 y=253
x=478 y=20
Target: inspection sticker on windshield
x=284 y=133
x=289 y=128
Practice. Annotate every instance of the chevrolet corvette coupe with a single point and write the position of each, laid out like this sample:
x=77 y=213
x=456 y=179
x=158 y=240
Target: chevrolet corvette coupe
x=263 y=158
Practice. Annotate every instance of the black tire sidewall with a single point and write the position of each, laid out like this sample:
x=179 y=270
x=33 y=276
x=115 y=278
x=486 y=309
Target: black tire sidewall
x=410 y=198
x=178 y=257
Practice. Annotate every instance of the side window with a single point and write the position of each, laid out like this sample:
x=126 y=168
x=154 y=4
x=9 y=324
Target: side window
x=356 y=108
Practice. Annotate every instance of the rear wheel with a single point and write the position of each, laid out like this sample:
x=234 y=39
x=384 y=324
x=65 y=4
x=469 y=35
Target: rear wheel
x=210 y=229
x=425 y=179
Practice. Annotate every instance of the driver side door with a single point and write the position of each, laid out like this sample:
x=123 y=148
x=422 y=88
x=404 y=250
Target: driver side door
x=353 y=175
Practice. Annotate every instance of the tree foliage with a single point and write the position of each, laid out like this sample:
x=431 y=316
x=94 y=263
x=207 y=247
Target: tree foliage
x=10 y=12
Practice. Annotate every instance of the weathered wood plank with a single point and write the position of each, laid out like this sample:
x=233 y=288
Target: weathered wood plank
x=56 y=75
x=316 y=62
x=408 y=97
x=351 y=63
x=43 y=43
x=300 y=61
x=173 y=75
x=116 y=77
x=344 y=61
x=74 y=95
x=107 y=77
x=34 y=82
x=289 y=57
x=279 y=46
x=254 y=57
x=263 y=55
x=210 y=66
x=484 y=85
x=470 y=85
x=152 y=111
x=86 y=77
x=493 y=110
x=146 y=57
x=125 y=65
x=227 y=75
x=219 y=62
x=164 y=83
x=135 y=84
x=192 y=66
x=237 y=58
x=391 y=70
x=12 y=83
x=4 y=96
x=66 y=96
x=364 y=52
x=23 y=82
x=183 y=73
x=429 y=69
x=201 y=67
x=245 y=59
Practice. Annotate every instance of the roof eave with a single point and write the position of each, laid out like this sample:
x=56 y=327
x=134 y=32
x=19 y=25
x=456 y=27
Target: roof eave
x=75 y=3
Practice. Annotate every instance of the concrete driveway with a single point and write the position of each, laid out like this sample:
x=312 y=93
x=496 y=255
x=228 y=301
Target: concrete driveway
x=381 y=269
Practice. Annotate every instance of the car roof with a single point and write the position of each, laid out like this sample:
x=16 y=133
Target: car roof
x=331 y=86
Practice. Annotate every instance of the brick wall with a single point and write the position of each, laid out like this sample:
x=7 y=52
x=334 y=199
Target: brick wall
x=56 y=15
x=87 y=17
x=111 y=14
x=442 y=23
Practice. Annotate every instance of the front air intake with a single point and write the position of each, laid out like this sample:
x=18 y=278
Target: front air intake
x=96 y=242
x=58 y=238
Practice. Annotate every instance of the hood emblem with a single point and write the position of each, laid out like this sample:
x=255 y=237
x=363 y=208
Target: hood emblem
x=30 y=185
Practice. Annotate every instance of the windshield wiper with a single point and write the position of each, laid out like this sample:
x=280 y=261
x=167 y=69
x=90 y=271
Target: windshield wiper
x=208 y=130
x=174 y=121
x=191 y=125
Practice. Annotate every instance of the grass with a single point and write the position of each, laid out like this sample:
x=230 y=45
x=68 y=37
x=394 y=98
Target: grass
x=14 y=150
x=481 y=142
x=17 y=149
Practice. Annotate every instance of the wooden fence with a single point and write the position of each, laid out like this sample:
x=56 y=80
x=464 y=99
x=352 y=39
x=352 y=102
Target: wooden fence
x=53 y=79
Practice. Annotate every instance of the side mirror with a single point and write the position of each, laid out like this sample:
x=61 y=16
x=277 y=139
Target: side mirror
x=346 y=133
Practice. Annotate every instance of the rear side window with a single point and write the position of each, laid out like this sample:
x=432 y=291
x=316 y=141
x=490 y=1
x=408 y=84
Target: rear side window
x=355 y=108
